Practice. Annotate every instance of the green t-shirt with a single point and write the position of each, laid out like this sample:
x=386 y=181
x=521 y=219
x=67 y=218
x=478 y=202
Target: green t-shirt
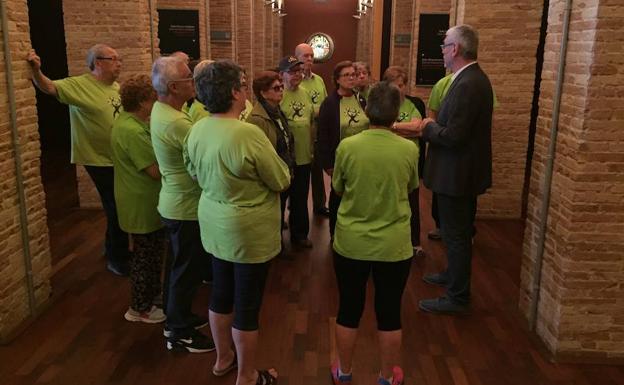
x=197 y=111
x=136 y=193
x=441 y=88
x=298 y=109
x=316 y=89
x=407 y=112
x=93 y=107
x=245 y=113
x=353 y=120
x=241 y=176
x=179 y=194
x=375 y=171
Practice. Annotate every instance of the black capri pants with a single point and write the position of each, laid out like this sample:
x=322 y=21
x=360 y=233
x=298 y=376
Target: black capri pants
x=238 y=287
x=389 y=279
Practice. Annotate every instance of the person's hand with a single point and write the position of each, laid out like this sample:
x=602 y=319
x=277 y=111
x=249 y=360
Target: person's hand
x=424 y=123
x=34 y=60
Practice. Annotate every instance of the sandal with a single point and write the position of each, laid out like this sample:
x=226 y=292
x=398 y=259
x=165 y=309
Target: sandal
x=265 y=378
x=397 y=377
x=222 y=372
x=337 y=378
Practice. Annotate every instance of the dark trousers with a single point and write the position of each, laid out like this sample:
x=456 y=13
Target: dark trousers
x=299 y=219
x=318 y=187
x=457 y=221
x=334 y=203
x=414 y=202
x=186 y=266
x=436 y=216
x=145 y=266
x=389 y=279
x=238 y=288
x=116 y=240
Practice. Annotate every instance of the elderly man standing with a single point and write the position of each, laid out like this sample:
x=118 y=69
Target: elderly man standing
x=177 y=205
x=297 y=106
x=315 y=86
x=94 y=104
x=459 y=164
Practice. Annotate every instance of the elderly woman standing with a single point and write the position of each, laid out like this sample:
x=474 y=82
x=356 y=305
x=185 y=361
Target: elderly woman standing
x=362 y=78
x=268 y=116
x=241 y=177
x=341 y=115
x=374 y=172
x=137 y=183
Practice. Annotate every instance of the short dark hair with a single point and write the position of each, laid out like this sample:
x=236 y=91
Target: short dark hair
x=382 y=106
x=338 y=68
x=135 y=90
x=395 y=72
x=262 y=82
x=214 y=84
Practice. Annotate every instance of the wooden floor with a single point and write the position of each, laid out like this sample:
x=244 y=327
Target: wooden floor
x=84 y=339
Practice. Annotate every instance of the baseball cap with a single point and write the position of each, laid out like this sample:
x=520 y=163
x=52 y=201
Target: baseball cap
x=287 y=63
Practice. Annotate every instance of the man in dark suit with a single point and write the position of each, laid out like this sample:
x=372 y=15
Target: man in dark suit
x=459 y=164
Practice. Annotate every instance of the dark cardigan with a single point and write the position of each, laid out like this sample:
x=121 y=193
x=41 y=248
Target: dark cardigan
x=328 y=136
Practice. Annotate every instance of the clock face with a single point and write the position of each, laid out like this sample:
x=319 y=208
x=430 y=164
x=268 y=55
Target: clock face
x=322 y=45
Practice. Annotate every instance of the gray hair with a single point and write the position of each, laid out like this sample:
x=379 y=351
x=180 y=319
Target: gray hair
x=467 y=39
x=164 y=70
x=359 y=64
x=382 y=107
x=94 y=52
x=200 y=66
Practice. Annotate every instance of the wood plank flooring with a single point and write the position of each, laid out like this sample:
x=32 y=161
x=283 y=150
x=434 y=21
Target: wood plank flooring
x=84 y=339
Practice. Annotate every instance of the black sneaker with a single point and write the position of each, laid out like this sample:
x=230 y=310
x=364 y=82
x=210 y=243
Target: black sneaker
x=197 y=322
x=196 y=342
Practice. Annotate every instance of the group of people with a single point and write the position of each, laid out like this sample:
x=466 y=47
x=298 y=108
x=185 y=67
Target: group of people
x=182 y=158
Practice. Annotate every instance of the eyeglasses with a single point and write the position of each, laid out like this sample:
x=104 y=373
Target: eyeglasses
x=278 y=88
x=111 y=58
x=348 y=75
x=442 y=46
x=294 y=72
x=360 y=73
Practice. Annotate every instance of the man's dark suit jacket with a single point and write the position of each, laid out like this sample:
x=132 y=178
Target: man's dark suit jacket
x=459 y=158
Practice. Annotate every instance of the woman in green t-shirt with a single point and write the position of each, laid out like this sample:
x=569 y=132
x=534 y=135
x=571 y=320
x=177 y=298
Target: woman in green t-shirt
x=241 y=177
x=137 y=184
x=374 y=171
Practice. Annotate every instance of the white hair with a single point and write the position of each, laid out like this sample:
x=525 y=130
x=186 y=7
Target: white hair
x=164 y=70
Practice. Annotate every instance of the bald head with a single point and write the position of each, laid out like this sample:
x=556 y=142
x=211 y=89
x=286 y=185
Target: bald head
x=305 y=54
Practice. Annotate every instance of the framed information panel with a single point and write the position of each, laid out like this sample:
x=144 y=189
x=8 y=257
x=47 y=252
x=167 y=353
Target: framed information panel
x=430 y=63
x=178 y=30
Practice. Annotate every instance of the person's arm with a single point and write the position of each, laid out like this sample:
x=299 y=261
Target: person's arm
x=41 y=81
x=153 y=171
x=337 y=174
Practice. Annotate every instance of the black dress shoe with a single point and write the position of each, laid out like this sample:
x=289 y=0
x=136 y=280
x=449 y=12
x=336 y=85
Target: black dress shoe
x=443 y=305
x=440 y=279
x=324 y=211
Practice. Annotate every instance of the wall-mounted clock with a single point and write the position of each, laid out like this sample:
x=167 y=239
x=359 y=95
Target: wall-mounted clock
x=322 y=45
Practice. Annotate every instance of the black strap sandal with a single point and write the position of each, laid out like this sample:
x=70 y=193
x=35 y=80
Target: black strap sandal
x=265 y=378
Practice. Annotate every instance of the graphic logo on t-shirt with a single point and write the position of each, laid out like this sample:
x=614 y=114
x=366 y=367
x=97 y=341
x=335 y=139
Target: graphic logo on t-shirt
x=314 y=95
x=402 y=116
x=116 y=103
x=297 y=109
x=352 y=113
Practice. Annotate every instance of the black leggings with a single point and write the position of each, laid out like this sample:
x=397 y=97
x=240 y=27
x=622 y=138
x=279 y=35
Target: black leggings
x=238 y=287
x=389 y=279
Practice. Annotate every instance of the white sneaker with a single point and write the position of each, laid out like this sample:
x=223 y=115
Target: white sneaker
x=153 y=316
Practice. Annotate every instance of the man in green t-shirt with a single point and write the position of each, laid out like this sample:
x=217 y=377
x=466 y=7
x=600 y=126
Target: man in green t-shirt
x=316 y=88
x=177 y=205
x=94 y=104
x=297 y=107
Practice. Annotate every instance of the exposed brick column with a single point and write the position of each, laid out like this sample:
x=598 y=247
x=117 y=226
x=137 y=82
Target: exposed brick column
x=221 y=20
x=124 y=25
x=258 y=42
x=581 y=306
x=14 y=308
x=245 y=35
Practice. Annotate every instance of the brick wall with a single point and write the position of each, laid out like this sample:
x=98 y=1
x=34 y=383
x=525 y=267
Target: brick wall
x=221 y=20
x=124 y=25
x=13 y=290
x=196 y=5
x=582 y=296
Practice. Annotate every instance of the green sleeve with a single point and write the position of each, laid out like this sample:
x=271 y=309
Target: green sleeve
x=494 y=100
x=414 y=177
x=70 y=92
x=140 y=150
x=337 y=175
x=271 y=169
x=435 y=98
